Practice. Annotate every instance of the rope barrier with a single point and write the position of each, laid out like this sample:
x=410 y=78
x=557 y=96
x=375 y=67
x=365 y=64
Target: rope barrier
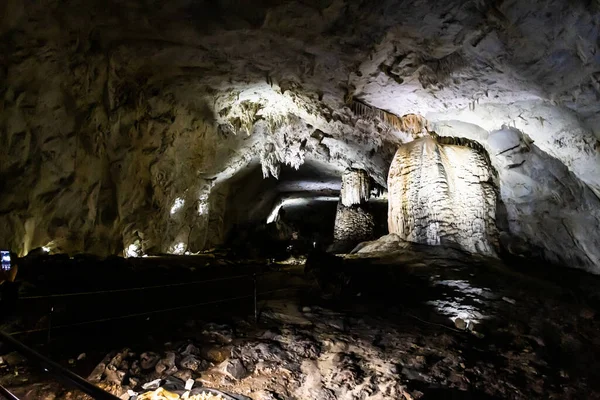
x=147 y=313
x=51 y=296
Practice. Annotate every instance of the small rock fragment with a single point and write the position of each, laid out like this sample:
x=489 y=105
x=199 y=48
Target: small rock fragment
x=167 y=364
x=113 y=375
x=216 y=355
x=14 y=358
x=183 y=374
x=96 y=375
x=135 y=368
x=190 y=349
x=149 y=360
x=118 y=359
x=133 y=382
x=460 y=324
x=155 y=384
x=191 y=362
x=235 y=368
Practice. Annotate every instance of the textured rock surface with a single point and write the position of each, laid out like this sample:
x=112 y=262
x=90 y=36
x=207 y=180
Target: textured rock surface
x=442 y=194
x=355 y=187
x=112 y=111
x=354 y=223
x=385 y=244
x=550 y=210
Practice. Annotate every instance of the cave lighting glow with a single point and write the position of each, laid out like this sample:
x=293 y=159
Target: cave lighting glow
x=177 y=205
x=202 y=209
x=297 y=201
x=132 y=250
x=48 y=247
x=178 y=248
x=203 y=205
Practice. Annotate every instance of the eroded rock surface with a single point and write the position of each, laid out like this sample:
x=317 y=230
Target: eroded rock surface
x=440 y=194
x=354 y=222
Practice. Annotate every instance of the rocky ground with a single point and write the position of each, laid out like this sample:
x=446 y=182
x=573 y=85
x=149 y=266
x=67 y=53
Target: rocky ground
x=426 y=325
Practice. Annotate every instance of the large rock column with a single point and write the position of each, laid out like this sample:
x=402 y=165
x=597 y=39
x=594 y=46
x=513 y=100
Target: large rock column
x=442 y=194
x=353 y=221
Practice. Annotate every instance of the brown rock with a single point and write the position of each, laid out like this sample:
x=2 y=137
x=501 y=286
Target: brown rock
x=149 y=360
x=183 y=374
x=216 y=354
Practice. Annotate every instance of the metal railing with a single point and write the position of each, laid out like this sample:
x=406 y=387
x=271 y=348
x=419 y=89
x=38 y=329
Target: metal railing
x=80 y=383
x=6 y=394
x=55 y=369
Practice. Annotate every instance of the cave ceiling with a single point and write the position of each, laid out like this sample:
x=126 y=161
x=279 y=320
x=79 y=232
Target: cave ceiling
x=486 y=63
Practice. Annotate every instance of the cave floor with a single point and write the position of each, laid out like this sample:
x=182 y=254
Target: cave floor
x=391 y=333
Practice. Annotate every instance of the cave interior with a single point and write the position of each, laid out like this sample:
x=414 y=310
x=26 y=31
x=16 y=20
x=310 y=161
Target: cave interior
x=301 y=199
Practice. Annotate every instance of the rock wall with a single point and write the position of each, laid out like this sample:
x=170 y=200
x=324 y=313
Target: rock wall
x=441 y=194
x=90 y=161
x=549 y=210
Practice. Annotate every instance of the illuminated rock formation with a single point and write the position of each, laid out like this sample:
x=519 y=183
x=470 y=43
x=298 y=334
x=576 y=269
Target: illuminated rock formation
x=353 y=221
x=355 y=188
x=442 y=194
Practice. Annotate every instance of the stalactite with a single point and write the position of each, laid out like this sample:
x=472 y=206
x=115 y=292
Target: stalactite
x=410 y=123
x=355 y=187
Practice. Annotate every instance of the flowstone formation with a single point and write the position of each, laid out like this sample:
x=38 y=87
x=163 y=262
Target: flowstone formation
x=353 y=221
x=443 y=194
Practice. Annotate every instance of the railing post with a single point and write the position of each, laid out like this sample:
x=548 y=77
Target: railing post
x=50 y=322
x=255 y=300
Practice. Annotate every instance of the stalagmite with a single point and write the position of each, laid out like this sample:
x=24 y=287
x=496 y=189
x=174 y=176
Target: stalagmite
x=353 y=221
x=443 y=194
